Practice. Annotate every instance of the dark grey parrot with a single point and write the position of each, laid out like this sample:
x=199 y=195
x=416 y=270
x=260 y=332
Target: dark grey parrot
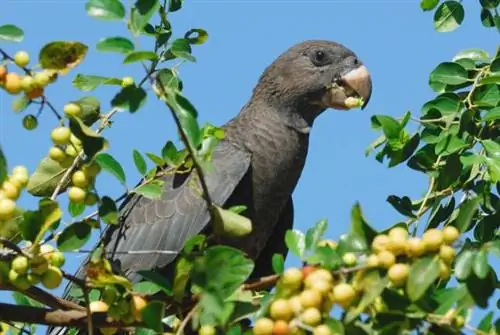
x=257 y=164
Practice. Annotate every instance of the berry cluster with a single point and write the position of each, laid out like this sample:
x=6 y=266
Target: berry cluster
x=43 y=267
x=10 y=191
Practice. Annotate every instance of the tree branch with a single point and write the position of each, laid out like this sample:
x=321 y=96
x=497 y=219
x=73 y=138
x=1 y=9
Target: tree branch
x=45 y=298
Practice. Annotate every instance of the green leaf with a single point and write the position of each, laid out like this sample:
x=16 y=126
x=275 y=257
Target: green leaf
x=449 y=145
x=91 y=141
x=90 y=109
x=138 y=56
x=486 y=324
x=480 y=264
x=487 y=18
x=155 y=159
x=46 y=177
x=490 y=79
x=49 y=214
x=169 y=79
x=449 y=73
x=181 y=49
x=492 y=114
x=449 y=16
x=402 y=204
x=314 y=234
x=228 y=223
x=495 y=65
x=74 y=236
x=183 y=269
x=295 y=241
x=482 y=289
x=62 y=55
x=3 y=167
x=492 y=148
x=467 y=211
x=463 y=264
x=75 y=209
x=427 y=5
x=491 y=4
x=91 y=82
x=448 y=104
x=175 y=5
x=153 y=314
x=200 y=36
x=139 y=162
x=448 y=297
x=422 y=275
x=359 y=226
x=131 y=98
x=157 y=279
x=152 y=190
x=141 y=13
x=325 y=256
x=11 y=33
x=110 y=164
x=187 y=115
x=493 y=169
x=30 y=225
x=146 y=287
x=475 y=54
x=278 y=263
x=115 y=44
x=108 y=211
x=390 y=126
x=486 y=95
x=222 y=269
x=105 y=9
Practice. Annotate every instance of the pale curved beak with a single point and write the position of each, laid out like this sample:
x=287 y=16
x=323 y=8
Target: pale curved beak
x=360 y=81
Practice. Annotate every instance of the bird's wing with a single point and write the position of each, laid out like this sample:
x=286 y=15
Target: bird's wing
x=276 y=243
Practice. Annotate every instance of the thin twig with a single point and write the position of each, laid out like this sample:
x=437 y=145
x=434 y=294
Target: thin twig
x=186 y=319
x=130 y=252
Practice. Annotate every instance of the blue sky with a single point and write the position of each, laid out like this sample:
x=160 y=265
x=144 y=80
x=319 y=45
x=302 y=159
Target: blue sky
x=394 y=39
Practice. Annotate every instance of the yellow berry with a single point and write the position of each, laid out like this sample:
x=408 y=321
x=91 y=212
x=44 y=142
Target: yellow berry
x=91 y=199
x=263 y=326
x=57 y=259
x=79 y=179
x=57 y=154
x=280 y=328
x=20 y=281
x=7 y=209
x=52 y=278
x=39 y=265
x=321 y=274
x=310 y=298
x=397 y=240
x=77 y=195
x=415 y=247
x=127 y=81
x=60 y=135
x=12 y=83
x=72 y=109
x=450 y=234
x=71 y=151
x=27 y=83
x=372 y=261
x=21 y=58
x=380 y=243
x=20 y=264
x=386 y=259
x=42 y=79
x=11 y=191
x=447 y=253
x=295 y=304
x=433 y=239
x=344 y=294
x=322 y=330
x=349 y=259
x=311 y=316
x=92 y=169
x=398 y=273
x=98 y=306
x=137 y=303
x=399 y=233
x=328 y=243
x=444 y=270
x=280 y=310
x=322 y=286
x=292 y=278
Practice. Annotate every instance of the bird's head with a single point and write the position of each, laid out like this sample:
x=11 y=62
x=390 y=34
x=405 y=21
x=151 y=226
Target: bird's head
x=317 y=75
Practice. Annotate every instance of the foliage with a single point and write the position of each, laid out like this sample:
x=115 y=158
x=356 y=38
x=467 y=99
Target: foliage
x=426 y=273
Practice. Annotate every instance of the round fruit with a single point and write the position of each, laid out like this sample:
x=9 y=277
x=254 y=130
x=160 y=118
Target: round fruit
x=444 y=271
x=450 y=234
x=292 y=278
x=92 y=169
x=352 y=102
x=295 y=304
x=20 y=264
x=281 y=328
x=344 y=294
x=433 y=239
x=57 y=154
x=328 y=243
x=398 y=233
x=27 y=83
x=71 y=151
x=396 y=245
x=322 y=286
x=386 y=259
x=310 y=298
x=46 y=250
x=33 y=278
x=3 y=72
x=447 y=253
x=137 y=304
x=10 y=190
x=18 y=280
x=263 y=326
x=19 y=180
x=91 y=199
x=30 y=122
x=319 y=274
x=21 y=58
x=349 y=259
x=42 y=79
x=79 y=179
x=35 y=93
x=280 y=310
x=39 y=265
x=60 y=135
x=7 y=208
x=19 y=169
x=12 y=83
x=108 y=331
x=75 y=140
x=398 y=273
x=77 y=195
x=52 y=278
x=57 y=259
x=322 y=330
x=98 y=306
x=311 y=316
x=72 y=109
x=127 y=81
x=307 y=270
x=380 y=243
x=415 y=247
x=459 y=321
x=372 y=261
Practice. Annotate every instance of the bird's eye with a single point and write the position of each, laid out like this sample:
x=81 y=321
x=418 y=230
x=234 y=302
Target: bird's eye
x=356 y=61
x=319 y=58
